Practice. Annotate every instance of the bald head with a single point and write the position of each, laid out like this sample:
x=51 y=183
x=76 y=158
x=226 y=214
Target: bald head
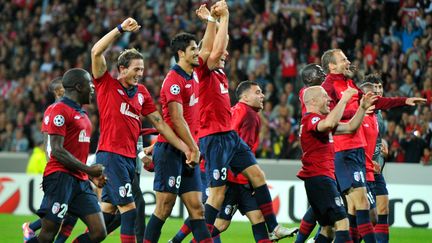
x=316 y=100
x=311 y=93
x=75 y=76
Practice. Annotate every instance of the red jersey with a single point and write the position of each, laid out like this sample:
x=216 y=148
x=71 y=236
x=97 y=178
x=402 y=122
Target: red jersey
x=303 y=107
x=68 y=120
x=119 y=115
x=182 y=88
x=370 y=131
x=46 y=118
x=247 y=123
x=335 y=84
x=318 y=148
x=215 y=105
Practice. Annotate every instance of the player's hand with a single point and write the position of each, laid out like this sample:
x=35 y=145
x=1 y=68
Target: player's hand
x=202 y=12
x=348 y=93
x=377 y=167
x=99 y=181
x=415 y=101
x=384 y=148
x=220 y=9
x=368 y=100
x=194 y=158
x=95 y=170
x=130 y=25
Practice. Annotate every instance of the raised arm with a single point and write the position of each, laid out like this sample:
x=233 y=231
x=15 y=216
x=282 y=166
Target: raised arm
x=355 y=122
x=221 y=38
x=98 y=61
x=333 y=118
x=207 y=42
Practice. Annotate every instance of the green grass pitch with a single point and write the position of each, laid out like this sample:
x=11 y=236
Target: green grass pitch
x=10 y=231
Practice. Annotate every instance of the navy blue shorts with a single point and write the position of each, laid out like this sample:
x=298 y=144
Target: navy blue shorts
x=370 y=187
x=350 y=169
x=380 y=185
x=204 y=187
x=325 y=200
x=172 y=174
x=237 y=196
x=64 y=193
x=224 y=151
x=120 y=171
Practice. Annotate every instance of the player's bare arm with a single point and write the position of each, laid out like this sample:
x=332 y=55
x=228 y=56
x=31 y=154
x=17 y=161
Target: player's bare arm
x=221 y=38
x=181 y=127
x=98 y=60
x=415 y=101
x=207 y=42
x=69 y=161
x=333 y=118
x=156 y=119
x=355 y=122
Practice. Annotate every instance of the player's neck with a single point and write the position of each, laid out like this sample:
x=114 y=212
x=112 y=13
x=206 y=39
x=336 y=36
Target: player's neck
x=185 y=66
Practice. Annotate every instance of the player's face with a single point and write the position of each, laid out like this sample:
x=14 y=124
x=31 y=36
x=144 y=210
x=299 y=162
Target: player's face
x=59 y=92
x=222 y=60
x=342 y=65
x=191 y=54
x=85 y=92
x=378 y=89
x=323 y=102
x=255 y=97
x=318 y=76
x=133 y=74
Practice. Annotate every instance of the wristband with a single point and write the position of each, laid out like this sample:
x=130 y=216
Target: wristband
x=120 y=29
x=211 y=19
x=141 y=155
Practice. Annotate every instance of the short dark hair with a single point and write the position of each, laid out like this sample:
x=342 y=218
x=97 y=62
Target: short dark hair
x=127 y=56
x=327 y=58
x=54 y=84
x=244 y=86
x=374 y=78
x=180 y=42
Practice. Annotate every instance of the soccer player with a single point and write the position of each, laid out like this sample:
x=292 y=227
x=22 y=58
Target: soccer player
x=65 y=182
x=121 y=101
x=349 y=148
x=317 y=127
x=220 y=145
x=173 y=175
x=311 y=75
x=56 y=88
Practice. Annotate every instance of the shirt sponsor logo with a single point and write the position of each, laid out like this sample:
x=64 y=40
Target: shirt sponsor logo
x=175 y=89
x=83 y=138
x=124 y=109
x=188 y=86
x=193 y=100
x=223 y=89
x=77 y=117
x=59 y=120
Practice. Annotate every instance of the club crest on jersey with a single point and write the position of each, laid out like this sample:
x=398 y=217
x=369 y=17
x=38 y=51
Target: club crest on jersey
x=175 y=89
x=122 y=191
x=223 y=89
x=83 y=138
x=140 y=99
x=55 y=208
x=120 y=91
x=59 y=120
x=315 y=120
x=195 y=77
x=216 y=174
x=46 y=120
x=171 y=181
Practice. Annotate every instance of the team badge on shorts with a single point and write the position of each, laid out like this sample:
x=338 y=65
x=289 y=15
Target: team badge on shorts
x=122 y=191
x=171 y=181
x=55 y=208
x=338 y=201
x=358 y=176
x=228 y=209
x=216 y=174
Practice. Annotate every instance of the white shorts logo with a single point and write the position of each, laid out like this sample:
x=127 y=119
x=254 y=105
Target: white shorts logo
x=59 y=120
x=122 y=191
x=338 y=201
x=175 y=89
x=358 y=176
x=171 y=181
x=228 y=209
x=55 y=208
x=216 y=174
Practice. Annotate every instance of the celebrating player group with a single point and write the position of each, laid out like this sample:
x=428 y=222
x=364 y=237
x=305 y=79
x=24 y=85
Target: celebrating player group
x=204 y=152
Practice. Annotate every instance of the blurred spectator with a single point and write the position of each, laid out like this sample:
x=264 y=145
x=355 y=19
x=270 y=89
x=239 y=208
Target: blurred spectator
x=37 y=161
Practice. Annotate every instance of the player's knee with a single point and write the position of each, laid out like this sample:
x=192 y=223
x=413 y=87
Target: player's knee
x=46 y=236
x=222 y=224
x=327 y=231
x=255 y=175
x=342 y=224
x=196 y=211
x=98 y=234
x=255 y=217
x=373 y=216
x=164 y=208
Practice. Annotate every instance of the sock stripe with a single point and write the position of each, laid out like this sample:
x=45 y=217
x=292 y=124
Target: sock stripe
x=266 y=209
x=185 y=229
x=127 y=238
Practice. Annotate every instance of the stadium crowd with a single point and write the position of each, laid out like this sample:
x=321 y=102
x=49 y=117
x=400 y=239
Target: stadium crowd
x=270 y=41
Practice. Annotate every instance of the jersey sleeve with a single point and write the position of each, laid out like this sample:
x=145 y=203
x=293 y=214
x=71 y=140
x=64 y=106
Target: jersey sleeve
x=59 y=119
x=311 y=123
x=46 y=120
x=148 y=106
x=172 y=89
